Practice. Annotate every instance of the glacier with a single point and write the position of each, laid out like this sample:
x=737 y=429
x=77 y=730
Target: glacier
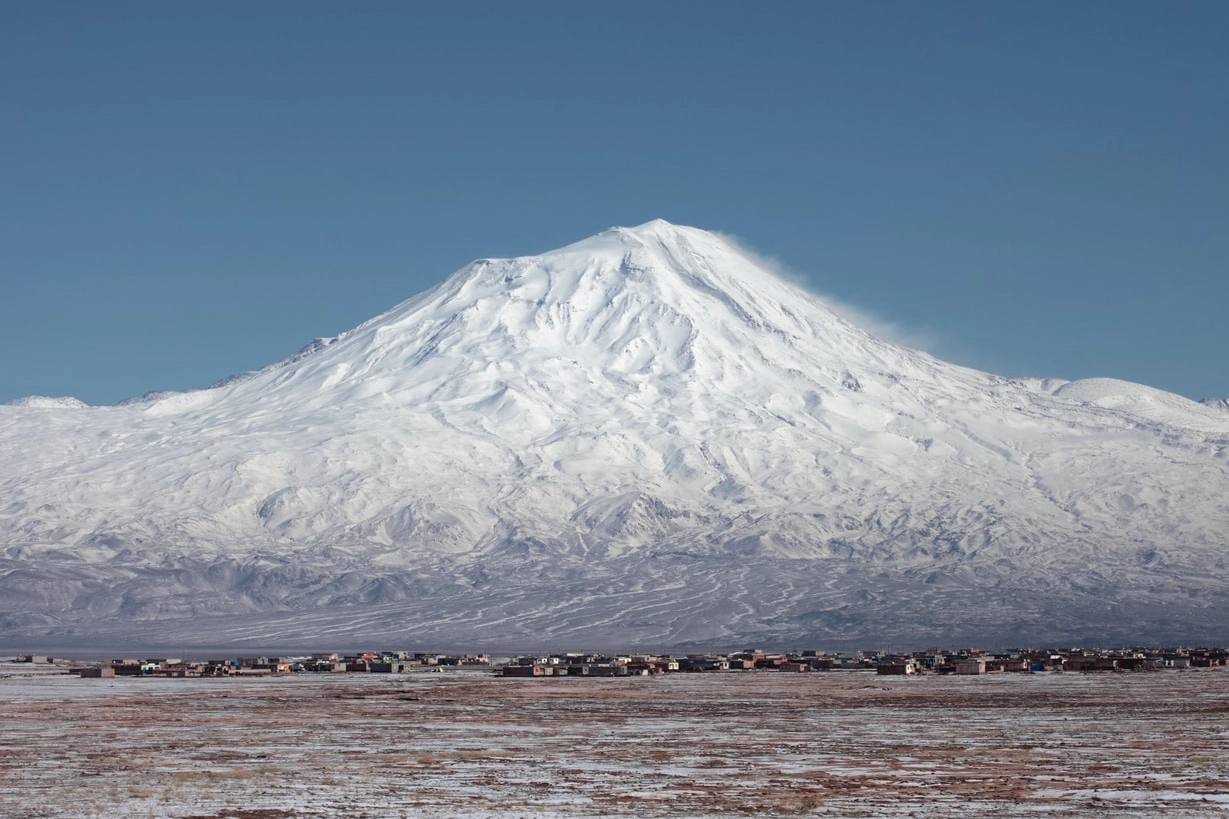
x=643 y=439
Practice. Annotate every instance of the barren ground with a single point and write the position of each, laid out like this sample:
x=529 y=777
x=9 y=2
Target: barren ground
x=472 y=745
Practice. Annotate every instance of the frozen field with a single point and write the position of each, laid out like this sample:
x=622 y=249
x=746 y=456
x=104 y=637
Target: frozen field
x=472 y=745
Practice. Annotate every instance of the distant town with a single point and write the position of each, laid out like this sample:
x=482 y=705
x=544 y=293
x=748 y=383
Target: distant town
x=580 y=664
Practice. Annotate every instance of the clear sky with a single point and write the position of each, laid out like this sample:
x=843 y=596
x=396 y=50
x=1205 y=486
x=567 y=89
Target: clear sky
x=191 y=190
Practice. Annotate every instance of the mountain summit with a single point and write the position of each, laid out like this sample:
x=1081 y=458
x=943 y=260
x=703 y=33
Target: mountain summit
x=643 y=437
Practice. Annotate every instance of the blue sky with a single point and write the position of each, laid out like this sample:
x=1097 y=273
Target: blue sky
x=188 y=191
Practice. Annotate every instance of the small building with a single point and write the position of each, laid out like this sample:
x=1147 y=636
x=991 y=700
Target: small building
x=643 y=668
x=1090 y=664
x=970 y=666
x=896 y=668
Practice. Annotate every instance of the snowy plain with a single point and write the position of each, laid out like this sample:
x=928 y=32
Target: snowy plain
x=740 y=743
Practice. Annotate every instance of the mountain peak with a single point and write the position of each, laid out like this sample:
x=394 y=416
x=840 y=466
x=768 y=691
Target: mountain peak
x=658 y=237
x=659 y=230
x=627 y=306
x=645 y=436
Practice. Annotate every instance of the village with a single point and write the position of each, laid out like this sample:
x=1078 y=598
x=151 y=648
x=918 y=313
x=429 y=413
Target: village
x=580 y=664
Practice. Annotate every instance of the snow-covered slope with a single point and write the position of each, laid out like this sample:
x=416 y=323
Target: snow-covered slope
x=641 y=438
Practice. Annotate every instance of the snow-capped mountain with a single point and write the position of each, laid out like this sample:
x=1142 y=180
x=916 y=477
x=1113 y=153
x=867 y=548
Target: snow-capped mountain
x=643 y=438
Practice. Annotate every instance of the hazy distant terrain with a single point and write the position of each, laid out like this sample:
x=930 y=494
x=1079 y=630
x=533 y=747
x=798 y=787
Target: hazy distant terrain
x=642 y=439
